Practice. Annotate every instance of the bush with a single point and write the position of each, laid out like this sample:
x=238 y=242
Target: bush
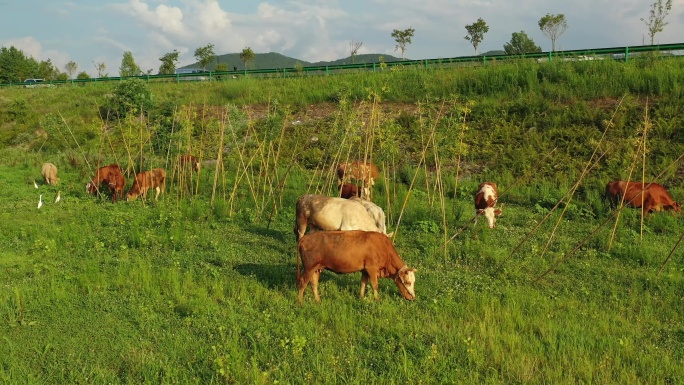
x=132 y=96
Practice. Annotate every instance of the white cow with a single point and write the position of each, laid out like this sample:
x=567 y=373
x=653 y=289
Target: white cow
x=330 y=213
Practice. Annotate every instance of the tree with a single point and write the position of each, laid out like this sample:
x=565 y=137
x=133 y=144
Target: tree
x=205 y=55
x=128 y=66
x=476 y=32
x=47 y=70
x=520 y=44
x=552 y=26
x=15 y=66
x=403 y=38
x=71 y=68
x=656 y=22
x=83 y=75
x=354 y=47
x=169 y=61
x=100 y=67
x=247 y=55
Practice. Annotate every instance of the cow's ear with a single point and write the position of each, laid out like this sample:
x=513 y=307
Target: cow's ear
x=413 y=270
x=497 y=212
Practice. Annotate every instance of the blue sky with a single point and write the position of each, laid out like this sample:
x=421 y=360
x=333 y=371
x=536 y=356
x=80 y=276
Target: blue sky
x=98 y=31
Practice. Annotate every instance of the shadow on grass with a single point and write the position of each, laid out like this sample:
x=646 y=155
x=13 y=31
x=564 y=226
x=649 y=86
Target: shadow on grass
x=276 y=235
x=271 y=276
x=285 y=275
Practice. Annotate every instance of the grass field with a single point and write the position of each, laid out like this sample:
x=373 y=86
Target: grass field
x=199 y=287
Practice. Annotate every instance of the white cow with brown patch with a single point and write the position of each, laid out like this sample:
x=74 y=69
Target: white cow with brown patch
x=485 y=202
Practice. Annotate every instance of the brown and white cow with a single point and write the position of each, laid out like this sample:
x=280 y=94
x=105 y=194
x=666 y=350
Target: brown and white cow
x=364 y=172
x=331 y=213
x=187 y=159
x=649 y=196
x=345 y=252
x=49 y=173
x=152 y=179
x=485 y=202
x=110 y=175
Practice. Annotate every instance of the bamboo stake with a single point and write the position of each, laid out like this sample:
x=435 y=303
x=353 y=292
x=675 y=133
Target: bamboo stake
x=662 y=267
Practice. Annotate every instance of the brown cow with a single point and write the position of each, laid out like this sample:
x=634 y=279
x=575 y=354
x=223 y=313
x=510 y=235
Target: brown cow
x=331 y=213
x=49 y=173
x=485 y=201
x=152 y=179
x=189 y=159
x=112 y=176
x=364 y=172
x=349 y=190
x=653 y=196
x=345 y=252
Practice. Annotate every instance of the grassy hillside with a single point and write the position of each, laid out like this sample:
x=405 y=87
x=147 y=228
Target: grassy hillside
x=275 y=60
x=200 y=286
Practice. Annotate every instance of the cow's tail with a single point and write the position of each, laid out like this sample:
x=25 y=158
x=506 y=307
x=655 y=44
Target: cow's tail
x=299 y=259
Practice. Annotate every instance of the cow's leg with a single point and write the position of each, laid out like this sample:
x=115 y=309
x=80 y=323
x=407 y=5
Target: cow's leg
x=314 y=284
x=158 y=192
x=373 y=275
x=364 y=282
x=303 y=283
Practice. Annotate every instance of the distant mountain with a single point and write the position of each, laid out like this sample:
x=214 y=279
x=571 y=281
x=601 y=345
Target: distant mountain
x=493 y=52
x=275 y=60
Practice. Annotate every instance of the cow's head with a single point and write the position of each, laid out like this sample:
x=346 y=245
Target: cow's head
x=131 y=195
x=406 y=281
x=490 y=213
x=91 y=188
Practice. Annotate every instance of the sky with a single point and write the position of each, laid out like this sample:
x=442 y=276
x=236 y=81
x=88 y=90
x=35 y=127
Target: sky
x=100 y=31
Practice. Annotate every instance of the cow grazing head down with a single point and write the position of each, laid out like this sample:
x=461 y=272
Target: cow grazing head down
x=650 y=197
x=343 y=252
x=485 y=202
x=111 y=176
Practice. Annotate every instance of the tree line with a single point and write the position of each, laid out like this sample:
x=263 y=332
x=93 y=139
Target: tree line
x=15 y=66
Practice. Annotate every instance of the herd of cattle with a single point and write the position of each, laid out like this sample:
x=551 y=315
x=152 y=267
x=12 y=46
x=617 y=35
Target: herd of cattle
x=352 y=234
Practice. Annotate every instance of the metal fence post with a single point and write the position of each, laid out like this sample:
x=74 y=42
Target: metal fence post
x=626 y=53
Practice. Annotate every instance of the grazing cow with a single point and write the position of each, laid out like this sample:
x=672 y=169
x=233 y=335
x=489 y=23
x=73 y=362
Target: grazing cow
x=485 y=202
x=189 y=159
x=112 y=176
x=365 y=172
x=375 y=212
x=330 y=213
x=653 y=196
x=349 y=190
x=152 y=179
x=345 y=252
x=49 y=173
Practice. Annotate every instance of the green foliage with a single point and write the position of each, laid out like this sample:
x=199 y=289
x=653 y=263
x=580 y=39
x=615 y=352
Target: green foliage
x=205 y=55
x=83 y=75
x=128 y=66
x=656 y=21
x=71 y=68
x=129 y=97
x=169 y=61
x=520 y=44
x=15 y=66
x=553 y=26
x=476 y=32
x=247 y=55
x=403 y=38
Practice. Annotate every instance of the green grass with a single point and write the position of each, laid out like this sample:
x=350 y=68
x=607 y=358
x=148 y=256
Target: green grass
x=186 y=291
x=171 y=292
